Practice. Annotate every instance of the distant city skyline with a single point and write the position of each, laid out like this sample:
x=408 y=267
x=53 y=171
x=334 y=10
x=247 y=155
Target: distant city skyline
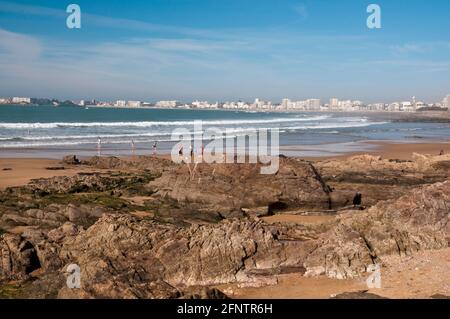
x=226 y=50
x=312 y=104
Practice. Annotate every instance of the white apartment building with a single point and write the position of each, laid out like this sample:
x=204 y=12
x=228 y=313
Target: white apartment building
x=286 y=103
x=313 y=104
x=258 y=104
x=420 y=105
x=407 y=106
x=201 y=104
x=19 y=100
x=334 y=102
x=134 y=103
x=394 y=107
x=376 y=107
x=446 y=101
x=166 y=103
x=120 y=103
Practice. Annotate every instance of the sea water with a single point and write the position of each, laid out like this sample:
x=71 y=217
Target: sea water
x=47 y=131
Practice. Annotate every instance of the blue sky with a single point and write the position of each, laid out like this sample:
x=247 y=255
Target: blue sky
x=226 y=50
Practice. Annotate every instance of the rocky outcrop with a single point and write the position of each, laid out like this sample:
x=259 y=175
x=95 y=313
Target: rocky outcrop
x=125 y=256
x=34 y=249
x=54 y=215
x=416 y=221
x=358 y=295
x=370 y=164
x=89 y=182
x=230 y=188
x=380 y=179
x=70 y=160
x=122 y=253
x=18 y=257
x=153 y=164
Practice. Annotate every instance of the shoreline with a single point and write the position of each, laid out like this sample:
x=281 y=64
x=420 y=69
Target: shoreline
x=17 y=171
x=306 y=151
x=393 y=150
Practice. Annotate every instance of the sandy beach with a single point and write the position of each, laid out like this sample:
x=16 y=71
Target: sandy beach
x=19 y=171
x=422 y=274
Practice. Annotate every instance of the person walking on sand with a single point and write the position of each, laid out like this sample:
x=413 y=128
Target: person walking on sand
x=203 y=152
x=154 y=147
x=133 y=147
x=99 y=146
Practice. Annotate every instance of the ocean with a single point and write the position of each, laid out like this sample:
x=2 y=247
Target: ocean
x=47 y=131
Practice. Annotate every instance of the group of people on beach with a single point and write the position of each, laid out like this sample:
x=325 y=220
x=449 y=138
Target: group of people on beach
x=191 y=150
x=133 y=146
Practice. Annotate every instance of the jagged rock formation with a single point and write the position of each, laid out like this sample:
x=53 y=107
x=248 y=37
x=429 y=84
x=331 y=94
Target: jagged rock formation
x=54 y=215
x=126 y=256
x=416 y=221
x=380 y=179
x=229 y=188
x=89 y=182
x=18 y=257
x=122 y=253
x=154 y=165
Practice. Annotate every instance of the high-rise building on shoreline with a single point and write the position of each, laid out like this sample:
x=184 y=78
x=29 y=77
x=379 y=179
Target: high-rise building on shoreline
x=134 y=103
x=446 y=102
x=286 y=104
x=21 y=100
x=120 y=103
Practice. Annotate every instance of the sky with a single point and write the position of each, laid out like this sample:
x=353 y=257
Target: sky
x=222 y=50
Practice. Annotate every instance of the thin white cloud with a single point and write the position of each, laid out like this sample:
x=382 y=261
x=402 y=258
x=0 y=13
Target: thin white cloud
x=18 y=46
x=419 y=47
x=99 y=20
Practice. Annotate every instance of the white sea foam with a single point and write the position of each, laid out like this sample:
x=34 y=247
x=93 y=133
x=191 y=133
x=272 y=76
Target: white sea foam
x=154 y=123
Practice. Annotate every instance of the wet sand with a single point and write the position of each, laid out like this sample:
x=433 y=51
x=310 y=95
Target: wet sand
x=418 y=276
x=19 y=171
x=296 y=286
x=404 y=151
x=394 y=150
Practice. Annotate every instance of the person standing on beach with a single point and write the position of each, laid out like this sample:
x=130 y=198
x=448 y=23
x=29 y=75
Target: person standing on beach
x=154 y=147
x=99 y=146
x=132 y=147
x=203 y=151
